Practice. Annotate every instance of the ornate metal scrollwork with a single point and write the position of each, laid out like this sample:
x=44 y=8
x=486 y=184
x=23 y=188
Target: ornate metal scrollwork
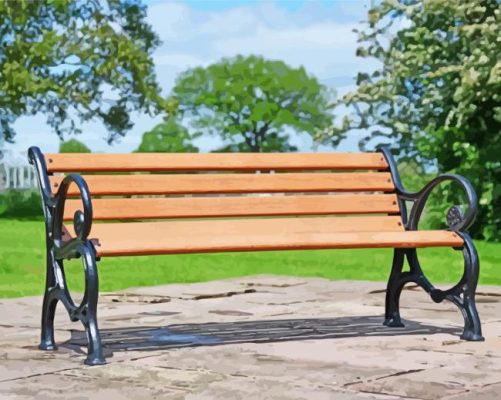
x=82 y=220
x=456 y=219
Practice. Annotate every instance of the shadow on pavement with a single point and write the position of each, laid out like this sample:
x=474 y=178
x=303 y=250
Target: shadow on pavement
x=217 y=333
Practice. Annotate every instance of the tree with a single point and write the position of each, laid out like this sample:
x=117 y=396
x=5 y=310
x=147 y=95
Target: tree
x=73 y=146
x=76 y=60
x=167 y=137
x=250 y=102
x=436 y=97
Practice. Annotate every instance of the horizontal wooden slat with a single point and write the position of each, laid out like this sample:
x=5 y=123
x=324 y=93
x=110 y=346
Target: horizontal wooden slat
x=232 y=183
x=212 y=161
x=169 y=237
x=147 y=208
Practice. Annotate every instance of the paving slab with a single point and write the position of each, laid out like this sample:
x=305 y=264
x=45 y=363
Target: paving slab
x=257 y=337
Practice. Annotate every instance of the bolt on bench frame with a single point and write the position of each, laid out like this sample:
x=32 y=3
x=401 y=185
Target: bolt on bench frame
x=80 y=246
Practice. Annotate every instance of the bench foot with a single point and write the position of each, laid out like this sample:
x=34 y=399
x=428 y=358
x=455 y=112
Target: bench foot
x=462 y=294
x=394 y=322
x=47 y=345
x=95 y=359
x=471 y=336
x=472 y=329
x=47 y=341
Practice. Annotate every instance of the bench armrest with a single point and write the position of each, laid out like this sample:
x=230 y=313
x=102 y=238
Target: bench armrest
x=53 y=206
x=82 y=220
x=456 y=219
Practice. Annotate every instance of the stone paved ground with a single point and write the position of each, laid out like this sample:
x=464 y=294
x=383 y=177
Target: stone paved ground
x=262 y=337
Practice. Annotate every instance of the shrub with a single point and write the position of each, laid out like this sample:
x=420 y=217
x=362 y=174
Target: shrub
x=20 y=204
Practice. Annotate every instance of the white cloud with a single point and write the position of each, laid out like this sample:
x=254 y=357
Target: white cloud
x=235 y=21
x=171 y=21
x=178 y=60
x=325 y=50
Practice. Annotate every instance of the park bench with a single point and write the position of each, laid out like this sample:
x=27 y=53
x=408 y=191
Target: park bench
x=144 y=204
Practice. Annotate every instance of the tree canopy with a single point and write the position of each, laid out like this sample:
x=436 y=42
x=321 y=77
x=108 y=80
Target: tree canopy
x=75 y=60
x=168 y=137
x=436 y=96
x=250 y=102
x=73 y=146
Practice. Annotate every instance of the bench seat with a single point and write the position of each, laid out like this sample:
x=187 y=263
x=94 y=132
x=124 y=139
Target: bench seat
x=170 y=237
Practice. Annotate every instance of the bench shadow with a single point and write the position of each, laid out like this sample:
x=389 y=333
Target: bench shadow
x=149 y=338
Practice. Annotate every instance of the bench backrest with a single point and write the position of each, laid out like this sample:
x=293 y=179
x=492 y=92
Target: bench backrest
x=181 y=185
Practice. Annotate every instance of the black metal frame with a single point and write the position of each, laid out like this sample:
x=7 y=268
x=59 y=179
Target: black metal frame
x=463 y=293
x=58 y=250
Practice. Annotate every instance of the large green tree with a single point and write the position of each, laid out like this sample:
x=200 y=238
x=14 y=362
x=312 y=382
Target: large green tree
x=250 y=102
x=437 y=96
x=167 y=137
x=76 y=60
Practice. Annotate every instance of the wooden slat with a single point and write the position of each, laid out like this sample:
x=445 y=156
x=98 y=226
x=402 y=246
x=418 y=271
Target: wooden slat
x=232 y=183
x=169 y=237
x=148 y=208
x=212 y=161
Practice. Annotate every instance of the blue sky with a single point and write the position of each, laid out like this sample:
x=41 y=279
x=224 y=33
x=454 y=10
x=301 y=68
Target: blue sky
x=218 y=5
x=317 y=34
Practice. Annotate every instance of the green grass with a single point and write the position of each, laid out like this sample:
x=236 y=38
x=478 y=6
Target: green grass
x=22 y=269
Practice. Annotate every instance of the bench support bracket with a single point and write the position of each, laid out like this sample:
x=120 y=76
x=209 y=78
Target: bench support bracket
x=462 y=294
x=56 y=290
x=59 y=249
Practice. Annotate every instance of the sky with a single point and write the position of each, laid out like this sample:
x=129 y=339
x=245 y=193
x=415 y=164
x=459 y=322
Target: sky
x=317 y=34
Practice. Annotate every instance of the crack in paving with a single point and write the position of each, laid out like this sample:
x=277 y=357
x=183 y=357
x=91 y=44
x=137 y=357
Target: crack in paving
x=225 y=294
x=118 y=380
x=470 y=389
x=21 y=326
x=90 y=377
x=377 y=378
x=488 y=294
x=390 y=394
x=400 y=373
x=275 y=285
x=156 y=299
x=41 y=374
x=343 y=389
x=407 y=287
x=464 y=352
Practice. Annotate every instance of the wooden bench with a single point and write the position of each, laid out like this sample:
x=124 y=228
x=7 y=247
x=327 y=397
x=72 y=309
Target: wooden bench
x=238 y=202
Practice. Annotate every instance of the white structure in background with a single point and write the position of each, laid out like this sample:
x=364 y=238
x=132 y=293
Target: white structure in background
x=15 y=171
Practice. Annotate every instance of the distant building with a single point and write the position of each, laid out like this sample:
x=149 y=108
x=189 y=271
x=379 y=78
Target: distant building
x=15 y=171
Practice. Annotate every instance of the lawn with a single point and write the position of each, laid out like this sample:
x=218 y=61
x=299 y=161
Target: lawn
x=22 y=269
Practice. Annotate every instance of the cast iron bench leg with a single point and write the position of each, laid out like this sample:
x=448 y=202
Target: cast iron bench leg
x=89 y=310
x=50 y=300
x=462 y=294
x=395 y=285
x=86 y=312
